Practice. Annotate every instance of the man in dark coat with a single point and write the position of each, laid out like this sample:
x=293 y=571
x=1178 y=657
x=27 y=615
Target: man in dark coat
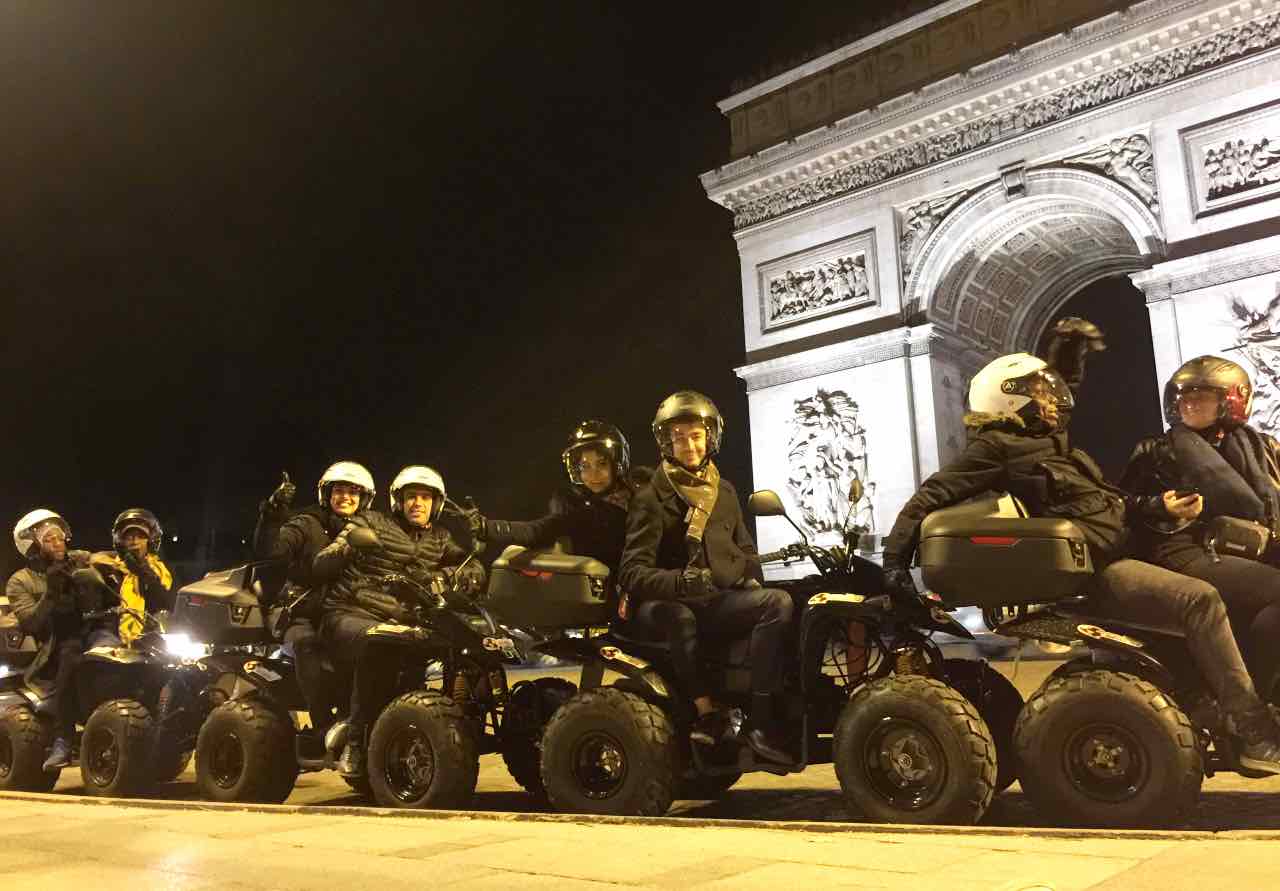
x=690 y=566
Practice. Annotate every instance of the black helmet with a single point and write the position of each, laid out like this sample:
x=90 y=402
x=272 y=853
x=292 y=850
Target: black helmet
x=137 y=518
x=687 y=405
x=1235 y=390
x=601 y=436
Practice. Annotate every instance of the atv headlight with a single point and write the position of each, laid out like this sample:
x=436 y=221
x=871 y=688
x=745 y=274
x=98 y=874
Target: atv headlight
x=182 y=647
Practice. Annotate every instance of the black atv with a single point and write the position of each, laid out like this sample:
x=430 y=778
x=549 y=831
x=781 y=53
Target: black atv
x=1121 y=737
x=907 y=747
x=423 y=748
x=140 y=707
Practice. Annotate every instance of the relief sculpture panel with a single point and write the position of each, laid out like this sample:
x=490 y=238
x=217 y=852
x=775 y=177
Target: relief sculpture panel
x=826 y=451
x=817 y=283
x=1233 y=160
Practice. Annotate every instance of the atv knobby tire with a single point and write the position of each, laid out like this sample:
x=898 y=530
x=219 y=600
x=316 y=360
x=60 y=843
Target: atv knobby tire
x=910 y=749
x=607 y=751
x=1107 y=749
x=423 y=753
x=25 y=738
x=245 y=752
x=115 y=750
x=525 y=717
x=999 y=703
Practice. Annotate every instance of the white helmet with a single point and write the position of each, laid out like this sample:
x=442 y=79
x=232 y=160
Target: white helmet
x=1006 y=385
x=418 y=475
x=25 y=533
x=346 y=472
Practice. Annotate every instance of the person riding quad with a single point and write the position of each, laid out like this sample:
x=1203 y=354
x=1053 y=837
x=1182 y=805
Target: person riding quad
x=410 y=543
x=1224 y=468
x=1018 y=443
x=142 y=580
x=690 y=567
x=592 y=514
x=344 y=489
x=53 y=597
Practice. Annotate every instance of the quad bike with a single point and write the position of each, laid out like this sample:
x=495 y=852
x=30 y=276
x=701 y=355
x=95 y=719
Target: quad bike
x=423 y=748
x=907 y=746
x=139 y=705
x=1120 y=737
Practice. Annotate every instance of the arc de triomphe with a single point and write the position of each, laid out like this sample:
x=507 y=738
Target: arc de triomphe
x=924 y=199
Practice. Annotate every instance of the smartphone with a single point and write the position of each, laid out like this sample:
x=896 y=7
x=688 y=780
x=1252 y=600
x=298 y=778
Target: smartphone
x=1185 y=493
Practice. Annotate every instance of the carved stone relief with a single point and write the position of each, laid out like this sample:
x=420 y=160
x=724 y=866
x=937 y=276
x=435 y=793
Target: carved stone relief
x=826 y=451
x=917 y=221
x=1233 y=160
x=819 y=282
x=1128 y=161
x=1116 y=83
x=1257 y=340
x=1231 y=169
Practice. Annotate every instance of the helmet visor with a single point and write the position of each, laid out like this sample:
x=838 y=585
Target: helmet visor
x=1043 y=387
x=591 y=458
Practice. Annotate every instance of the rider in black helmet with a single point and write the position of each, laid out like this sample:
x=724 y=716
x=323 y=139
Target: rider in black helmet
x=1225 y=469
x=690 y=564
x=592 y=514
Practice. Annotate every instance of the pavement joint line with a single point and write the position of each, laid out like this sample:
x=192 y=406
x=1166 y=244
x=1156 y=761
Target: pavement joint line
x=831 y=827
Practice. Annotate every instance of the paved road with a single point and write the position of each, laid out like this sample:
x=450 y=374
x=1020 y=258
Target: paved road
x=1228 y=801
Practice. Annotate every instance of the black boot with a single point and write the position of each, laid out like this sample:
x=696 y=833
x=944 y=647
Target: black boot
x=763 y=739
x=351 y=764
x=710 y=729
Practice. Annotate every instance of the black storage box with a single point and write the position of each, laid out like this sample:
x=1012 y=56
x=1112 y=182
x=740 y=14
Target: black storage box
x=986 y=553
x=548 y=589
x=222 y=609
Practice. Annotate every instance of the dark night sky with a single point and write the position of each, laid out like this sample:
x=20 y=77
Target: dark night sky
x=245 y=237
x=237 y=238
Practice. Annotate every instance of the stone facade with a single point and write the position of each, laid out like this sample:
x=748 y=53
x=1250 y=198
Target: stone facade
x=888 y=254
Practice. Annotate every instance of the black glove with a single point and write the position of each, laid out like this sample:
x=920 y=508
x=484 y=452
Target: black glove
x=898 y=583
x=1072 y=340
x=337 y=548
x=282 y=498
x=696 y=582
x=476 y=521
x=132 y=562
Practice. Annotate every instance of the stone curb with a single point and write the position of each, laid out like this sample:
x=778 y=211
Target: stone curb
x=677 y=822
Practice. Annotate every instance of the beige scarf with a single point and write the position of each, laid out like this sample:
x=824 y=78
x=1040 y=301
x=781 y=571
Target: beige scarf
x=698 y=491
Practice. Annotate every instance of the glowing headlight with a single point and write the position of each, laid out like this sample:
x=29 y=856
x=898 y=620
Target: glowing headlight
x=4 y=671
x=182 y=647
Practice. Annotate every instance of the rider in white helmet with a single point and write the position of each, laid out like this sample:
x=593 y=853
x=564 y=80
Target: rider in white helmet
x=409 y=542
x=53 y=596
x=344 y=489
x=1019 y=443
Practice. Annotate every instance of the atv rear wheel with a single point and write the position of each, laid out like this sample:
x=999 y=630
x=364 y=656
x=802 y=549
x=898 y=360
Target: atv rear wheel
x=607 y=751
x=528 y=709
x=423 y=753
x=1107 y=749
x=998 y=701
x=910 y=749
x=25 y=738
x=115 y=750
x=245 y=752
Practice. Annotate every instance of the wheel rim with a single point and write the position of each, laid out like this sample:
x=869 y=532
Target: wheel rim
x=226 y=761
x=1106 y=762
x=101 y=752
x=599 y=765
x=410 y=765
x=6 y=756
x=905 y=764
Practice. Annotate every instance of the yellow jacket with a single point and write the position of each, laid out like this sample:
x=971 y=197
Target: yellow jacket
x=131 y=591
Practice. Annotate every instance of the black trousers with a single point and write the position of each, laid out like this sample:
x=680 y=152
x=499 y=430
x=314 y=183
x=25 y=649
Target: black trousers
x=374 y=671
x=69 y=654
x=764 y=613
x=316 y=683
x=1144 y=592
x=1251 y=592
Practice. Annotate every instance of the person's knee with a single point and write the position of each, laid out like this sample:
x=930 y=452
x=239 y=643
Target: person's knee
x=778 y=605
x=681 y=623
x=1202 y=602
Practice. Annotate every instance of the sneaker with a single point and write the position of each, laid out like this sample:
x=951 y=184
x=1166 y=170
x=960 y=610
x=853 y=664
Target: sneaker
x=1259 y=742
x=351 y=764
x=59 y=755
x=767 y=748
x=710 y=729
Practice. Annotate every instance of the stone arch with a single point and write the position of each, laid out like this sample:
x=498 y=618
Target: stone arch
x=997 y=267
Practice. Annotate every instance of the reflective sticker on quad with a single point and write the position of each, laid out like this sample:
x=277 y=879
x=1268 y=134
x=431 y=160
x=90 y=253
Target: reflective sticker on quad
x=116 y=654
x=263 y=672
x=1103 y=634
x=827 y=597
x=505 y=645
x=387 y=628
x=616 y=655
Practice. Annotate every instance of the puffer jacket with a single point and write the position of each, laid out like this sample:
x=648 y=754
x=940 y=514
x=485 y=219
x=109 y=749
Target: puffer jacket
x=1153 y=470
x=1043 y=470
x=52 y=614
x=296 y=539
x=354 y=579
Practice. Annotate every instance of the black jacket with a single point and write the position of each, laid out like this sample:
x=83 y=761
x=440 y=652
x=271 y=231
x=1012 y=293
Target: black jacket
x=355 y=578
x=296 y=539
x=656 y=552
x=1153 y=470
x=1044 y=471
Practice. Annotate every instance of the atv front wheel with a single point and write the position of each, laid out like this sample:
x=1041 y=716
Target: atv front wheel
x=528 y=709
x=423 y=753
x=25 y=738
x=245 y=752
x=115 y=750
x=607 y=751
x=1107 y=749
x=999 y=703
x=910 y=749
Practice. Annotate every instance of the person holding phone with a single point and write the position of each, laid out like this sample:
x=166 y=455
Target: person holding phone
x=1211 y=464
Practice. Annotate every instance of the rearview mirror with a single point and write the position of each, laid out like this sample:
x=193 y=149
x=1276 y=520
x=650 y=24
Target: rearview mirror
x=855 y=490
x=766 y=503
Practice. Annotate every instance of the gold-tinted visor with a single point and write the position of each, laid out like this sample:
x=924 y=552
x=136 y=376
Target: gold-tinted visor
x=1044 y=383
